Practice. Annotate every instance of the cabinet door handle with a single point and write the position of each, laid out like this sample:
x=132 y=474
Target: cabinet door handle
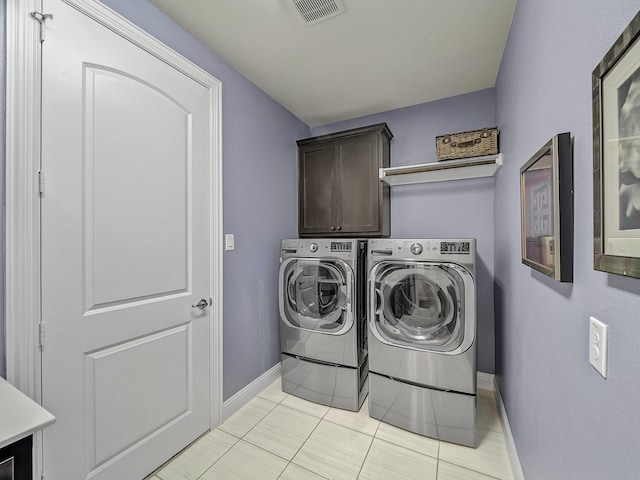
x=333 y=229
x=339 y=228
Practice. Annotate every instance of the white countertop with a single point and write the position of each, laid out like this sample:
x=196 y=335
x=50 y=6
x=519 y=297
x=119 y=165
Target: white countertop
x=19 y=415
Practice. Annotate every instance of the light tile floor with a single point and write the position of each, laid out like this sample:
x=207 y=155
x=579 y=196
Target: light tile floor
x=281 y=437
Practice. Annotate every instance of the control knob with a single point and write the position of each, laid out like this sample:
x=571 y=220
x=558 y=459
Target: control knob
x=313 y=247
x=416 y=249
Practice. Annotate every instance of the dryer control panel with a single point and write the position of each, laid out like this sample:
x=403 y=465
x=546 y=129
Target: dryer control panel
x=451 y=250
x=455 y=248
x=341 y=246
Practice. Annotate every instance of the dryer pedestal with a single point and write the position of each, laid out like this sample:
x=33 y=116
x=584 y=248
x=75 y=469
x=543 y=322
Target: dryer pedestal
x=332 y=385
x=444 y=415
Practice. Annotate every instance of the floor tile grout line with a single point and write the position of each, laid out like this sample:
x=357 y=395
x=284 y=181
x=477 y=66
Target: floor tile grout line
x=300 y=410
x=404 y=448
x=303 y=468
x=278 y=402
x=471 y=470
x=297 y=410
x=263 y=449
x=377 y=428
x=156 y=472
x=305 y=440
x=351 y=428
x=254 y=425
x=322 y=420
x=279 y=456
x=221 y=456
x=364 y=460
x=410 y=448
x=303 y=444
x=268 y=451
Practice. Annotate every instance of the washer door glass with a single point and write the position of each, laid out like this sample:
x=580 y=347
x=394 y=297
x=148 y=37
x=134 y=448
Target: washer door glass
x=316 y=295
x=419 y=305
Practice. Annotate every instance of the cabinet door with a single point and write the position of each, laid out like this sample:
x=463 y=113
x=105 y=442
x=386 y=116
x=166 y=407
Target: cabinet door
x=317 y=199
x=358 y=160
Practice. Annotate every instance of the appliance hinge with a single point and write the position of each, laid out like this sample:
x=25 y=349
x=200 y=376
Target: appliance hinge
x=41 y=18
x=41 y=335
x=42 y=476
x=40 y=181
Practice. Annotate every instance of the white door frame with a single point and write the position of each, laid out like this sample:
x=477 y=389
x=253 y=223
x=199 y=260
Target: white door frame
x=22 y=254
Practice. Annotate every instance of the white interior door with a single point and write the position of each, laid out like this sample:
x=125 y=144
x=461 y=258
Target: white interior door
x=126 y=215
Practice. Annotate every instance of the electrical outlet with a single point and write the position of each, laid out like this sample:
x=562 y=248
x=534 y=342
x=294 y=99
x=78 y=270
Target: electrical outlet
x=598 y=345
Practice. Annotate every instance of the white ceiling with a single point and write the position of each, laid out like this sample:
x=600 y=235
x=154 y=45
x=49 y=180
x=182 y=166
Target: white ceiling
x=379 y=55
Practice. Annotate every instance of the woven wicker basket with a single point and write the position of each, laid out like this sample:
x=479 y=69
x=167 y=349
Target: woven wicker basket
x=467 y=144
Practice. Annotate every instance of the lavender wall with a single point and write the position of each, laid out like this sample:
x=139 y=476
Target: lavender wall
x=567 y=421
x=462 y=208
x=260 y=199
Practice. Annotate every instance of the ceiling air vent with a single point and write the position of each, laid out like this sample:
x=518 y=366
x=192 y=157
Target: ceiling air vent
x=315 y=11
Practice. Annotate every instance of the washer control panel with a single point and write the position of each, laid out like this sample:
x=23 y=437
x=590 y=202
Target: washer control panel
x=319 y=248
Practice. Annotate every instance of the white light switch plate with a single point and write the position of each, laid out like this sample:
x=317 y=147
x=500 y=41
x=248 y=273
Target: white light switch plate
x=598 y=345
x=229 y=242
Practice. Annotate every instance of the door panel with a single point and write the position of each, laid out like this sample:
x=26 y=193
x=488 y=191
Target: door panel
x=109 y=374
x=132 y=250
x=126 y=149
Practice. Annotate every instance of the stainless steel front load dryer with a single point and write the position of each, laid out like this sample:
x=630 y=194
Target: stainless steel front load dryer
x=323 y=320
x=422 y=331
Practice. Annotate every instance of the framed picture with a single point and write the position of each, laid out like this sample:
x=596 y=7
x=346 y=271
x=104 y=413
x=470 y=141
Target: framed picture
x=546 y=197
x=616 y=156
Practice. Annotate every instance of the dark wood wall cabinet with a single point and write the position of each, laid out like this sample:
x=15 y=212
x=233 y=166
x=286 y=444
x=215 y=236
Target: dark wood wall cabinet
x=340 y=192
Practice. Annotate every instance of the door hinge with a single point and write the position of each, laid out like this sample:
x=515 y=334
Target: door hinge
x=41 y=18
x=43 y=476
x=41 y=182
x=41 y=334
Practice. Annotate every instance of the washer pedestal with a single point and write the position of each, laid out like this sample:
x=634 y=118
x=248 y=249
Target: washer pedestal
x=332 y=385
x=444 y=415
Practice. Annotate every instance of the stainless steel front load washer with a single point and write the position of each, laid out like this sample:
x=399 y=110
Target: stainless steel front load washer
x=422 y=331
x=323 y=320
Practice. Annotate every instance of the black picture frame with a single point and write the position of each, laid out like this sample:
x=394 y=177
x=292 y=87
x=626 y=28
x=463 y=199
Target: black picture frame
x=616 y=156
x=546 y=199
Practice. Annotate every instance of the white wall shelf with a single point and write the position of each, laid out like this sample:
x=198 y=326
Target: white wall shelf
x=476 y=167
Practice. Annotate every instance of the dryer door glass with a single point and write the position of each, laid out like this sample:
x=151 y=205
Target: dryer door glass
x=317 y=295
x=419 y=305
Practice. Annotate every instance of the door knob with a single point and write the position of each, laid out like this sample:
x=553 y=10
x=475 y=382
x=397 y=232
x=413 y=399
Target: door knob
x=202 y=304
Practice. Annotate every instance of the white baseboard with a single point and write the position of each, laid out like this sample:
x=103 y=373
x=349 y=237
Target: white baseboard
x=486 y=381
x=248 y=393
x=518 y=474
